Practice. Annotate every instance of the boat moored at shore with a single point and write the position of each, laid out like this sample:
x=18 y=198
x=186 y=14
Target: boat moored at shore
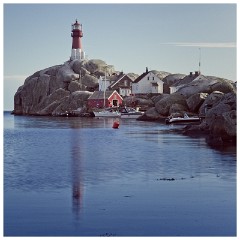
x=107 y=112
x=128 y=112
x=184 y=119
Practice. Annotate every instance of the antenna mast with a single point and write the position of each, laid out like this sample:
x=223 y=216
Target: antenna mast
x=199 y=61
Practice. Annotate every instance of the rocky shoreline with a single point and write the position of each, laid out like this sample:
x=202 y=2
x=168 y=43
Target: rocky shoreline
x=65 y=88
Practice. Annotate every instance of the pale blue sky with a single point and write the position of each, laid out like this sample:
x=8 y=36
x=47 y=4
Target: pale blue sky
x=164 y=37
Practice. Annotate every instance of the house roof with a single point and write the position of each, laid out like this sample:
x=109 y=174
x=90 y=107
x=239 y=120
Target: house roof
x=187 y=79
x=138 y=79
x=100 y=94
x=118 y=78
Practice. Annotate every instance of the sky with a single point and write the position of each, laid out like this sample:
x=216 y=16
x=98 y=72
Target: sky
x=131 y=37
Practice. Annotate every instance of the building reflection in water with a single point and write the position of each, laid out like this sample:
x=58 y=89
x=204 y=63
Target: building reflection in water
x=76 y=168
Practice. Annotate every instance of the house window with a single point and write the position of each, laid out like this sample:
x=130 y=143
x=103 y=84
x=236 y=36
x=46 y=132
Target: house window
x=148 y=78
x=153 y=78
x=125 y=82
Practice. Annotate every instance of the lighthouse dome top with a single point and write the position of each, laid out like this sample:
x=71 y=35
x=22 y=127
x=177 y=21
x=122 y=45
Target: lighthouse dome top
x=76 y=23
x=77 y=26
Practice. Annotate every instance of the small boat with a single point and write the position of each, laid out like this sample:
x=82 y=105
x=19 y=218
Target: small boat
x=184 y=119
x=128 y=112
x=107 y=112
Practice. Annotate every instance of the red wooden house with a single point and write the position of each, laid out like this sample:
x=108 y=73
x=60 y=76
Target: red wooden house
x=112 y=99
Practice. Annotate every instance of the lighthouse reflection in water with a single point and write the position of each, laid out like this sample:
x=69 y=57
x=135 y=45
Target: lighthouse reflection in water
x=81 y=177
x=77 y=185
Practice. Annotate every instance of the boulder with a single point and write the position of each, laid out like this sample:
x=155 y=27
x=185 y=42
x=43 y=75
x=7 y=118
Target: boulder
x=50 y=102
x=222 y=85
x=178 y=108
x=37 y=95
x=133 y=76
x=230 y=99
x=223 y=129
x=66 y=74
x=160 y=74
x=75 y=86
x=49 y=109
x=77 y=65
x=95 y=65
x=195 y=101
x=211 y=100
x=151 y=113
x=221 y=122
x=18 y=108
x=220 y=118
x=141 y=101
x=206 y=85
x=230 y=123
x=31 y=94
x=89 y=81
x=155 y=99
x=74 y=101
x=164 y=104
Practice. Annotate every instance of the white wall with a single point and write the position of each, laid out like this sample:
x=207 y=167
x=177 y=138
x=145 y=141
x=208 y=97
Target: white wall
x=125 y=92
x=145 y=85
x=103 y=85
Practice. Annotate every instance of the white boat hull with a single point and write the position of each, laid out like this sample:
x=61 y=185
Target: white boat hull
x=185 y=119
x=106 y=114
x=128 y=112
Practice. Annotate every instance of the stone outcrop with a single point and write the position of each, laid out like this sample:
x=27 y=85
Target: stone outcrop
x=74 y=101
x=164 y=104
x=195 y=101
x=160 y=74
x=151 y=115
x=203 y=84
x=53 y=90
x=220 y=122
x=141 y=100
x=222 y=108
x=212 y=99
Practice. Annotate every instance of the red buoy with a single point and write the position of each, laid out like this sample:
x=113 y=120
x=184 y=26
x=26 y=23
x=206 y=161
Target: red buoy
x=115 y=124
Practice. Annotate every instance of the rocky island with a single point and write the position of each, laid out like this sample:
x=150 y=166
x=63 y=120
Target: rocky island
x=57 y=89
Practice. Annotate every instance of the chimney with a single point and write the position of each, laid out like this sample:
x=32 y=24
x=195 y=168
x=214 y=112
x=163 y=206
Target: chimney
x=190 y=74
x=196 y=73
x=146 y=69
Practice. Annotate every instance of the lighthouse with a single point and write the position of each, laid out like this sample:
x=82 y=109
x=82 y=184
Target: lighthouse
x=77 y=34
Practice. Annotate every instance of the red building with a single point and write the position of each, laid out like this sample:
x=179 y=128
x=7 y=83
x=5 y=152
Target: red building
x=112 y=99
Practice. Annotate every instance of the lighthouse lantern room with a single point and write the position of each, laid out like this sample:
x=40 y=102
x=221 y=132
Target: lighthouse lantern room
x=77 y=34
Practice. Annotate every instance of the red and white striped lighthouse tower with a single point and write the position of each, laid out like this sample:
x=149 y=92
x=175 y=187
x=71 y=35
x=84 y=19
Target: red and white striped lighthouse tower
x=77 y=34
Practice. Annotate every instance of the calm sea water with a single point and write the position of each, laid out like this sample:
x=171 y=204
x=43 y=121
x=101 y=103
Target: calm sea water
x=80 y=177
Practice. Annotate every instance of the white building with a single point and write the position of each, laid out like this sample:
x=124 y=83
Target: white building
x=125 y=91
x=120 y=82
x=148 y=82
x=104 y=83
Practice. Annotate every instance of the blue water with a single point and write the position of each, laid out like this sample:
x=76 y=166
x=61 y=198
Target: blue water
x=81 y=177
